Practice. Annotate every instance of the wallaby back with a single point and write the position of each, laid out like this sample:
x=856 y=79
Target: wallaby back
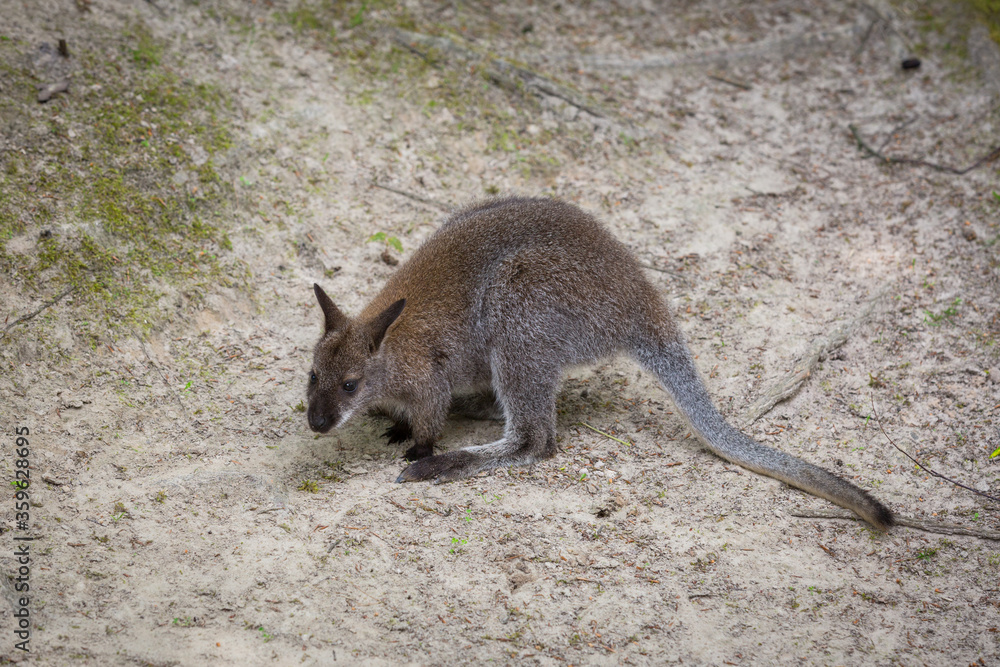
x=487 y=313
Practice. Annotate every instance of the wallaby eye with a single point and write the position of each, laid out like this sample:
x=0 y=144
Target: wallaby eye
x=312 y=378
x=350 y=385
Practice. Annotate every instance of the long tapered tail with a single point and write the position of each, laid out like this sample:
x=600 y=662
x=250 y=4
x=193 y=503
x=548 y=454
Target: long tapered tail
x=672 y=364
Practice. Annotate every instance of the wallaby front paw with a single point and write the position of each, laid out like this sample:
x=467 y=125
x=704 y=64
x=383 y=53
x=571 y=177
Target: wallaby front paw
x=398 y=432
x=447 y=467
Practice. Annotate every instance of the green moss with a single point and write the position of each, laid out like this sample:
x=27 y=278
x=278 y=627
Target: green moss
x=306 y=19
x=147 y=52
x=954 y=19
x=116 y=188
x=989 y=13
x=309 y=486
x=322 y=17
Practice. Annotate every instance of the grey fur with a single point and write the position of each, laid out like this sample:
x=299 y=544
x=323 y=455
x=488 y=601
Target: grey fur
x=487 y=313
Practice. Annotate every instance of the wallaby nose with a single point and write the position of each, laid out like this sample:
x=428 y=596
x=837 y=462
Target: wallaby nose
x=317 y=422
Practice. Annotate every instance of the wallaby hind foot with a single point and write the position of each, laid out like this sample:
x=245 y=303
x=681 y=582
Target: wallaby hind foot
x=470 y=461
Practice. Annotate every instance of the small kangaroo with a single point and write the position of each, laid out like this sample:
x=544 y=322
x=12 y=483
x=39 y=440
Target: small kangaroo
x=483 y=318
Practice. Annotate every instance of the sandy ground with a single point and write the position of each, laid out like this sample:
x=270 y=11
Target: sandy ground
x=183 y=513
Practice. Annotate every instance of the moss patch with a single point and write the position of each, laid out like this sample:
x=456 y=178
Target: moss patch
x=450 y=77
x=953 y=20
x=113 y=188
x=989 y=13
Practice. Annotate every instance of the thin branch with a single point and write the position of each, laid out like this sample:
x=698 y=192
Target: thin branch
x=878 y=421
x=502 y=71
x=158 y=370
x=927 y=526
x=786 y=387
x=606 y=435
x=45 y=305
x=415 y=197
x=506 y=74
x=155 y=6
x=897 y=42
x=865 y=37
x=815 y=41
x=650 y=267
x=896 y=129
x=731 y=82
x=863 y=145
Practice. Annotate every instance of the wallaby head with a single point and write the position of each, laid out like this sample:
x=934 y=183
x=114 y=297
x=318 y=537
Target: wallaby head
x=345 y=375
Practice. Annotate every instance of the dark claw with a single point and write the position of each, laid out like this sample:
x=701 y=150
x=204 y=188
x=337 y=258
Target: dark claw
x=419 y=451
x=398 y=432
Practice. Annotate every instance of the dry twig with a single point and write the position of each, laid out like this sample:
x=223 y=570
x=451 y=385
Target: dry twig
x=926 y=526
x=415 y=197
x=863 y=145
x=160 y=372
x=933 y=473
x=45 y=305
x=501 y=71
x=606 y=435
x=650 y=267
x=786 y=387
x=821 y=41
x=731 y=82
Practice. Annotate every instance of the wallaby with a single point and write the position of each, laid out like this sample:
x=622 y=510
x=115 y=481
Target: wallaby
x=483 y=318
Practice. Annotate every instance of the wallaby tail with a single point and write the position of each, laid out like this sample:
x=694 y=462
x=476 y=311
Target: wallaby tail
x=672 y=364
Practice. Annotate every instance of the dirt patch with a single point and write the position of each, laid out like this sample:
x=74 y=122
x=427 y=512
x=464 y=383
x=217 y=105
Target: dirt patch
x=156 y=351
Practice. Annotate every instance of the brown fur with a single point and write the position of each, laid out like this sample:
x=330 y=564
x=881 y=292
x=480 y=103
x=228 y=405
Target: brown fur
x=483 y=318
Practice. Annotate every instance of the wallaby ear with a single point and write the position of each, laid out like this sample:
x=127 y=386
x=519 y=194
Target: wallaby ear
x=384 y=320
x=333 y=318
